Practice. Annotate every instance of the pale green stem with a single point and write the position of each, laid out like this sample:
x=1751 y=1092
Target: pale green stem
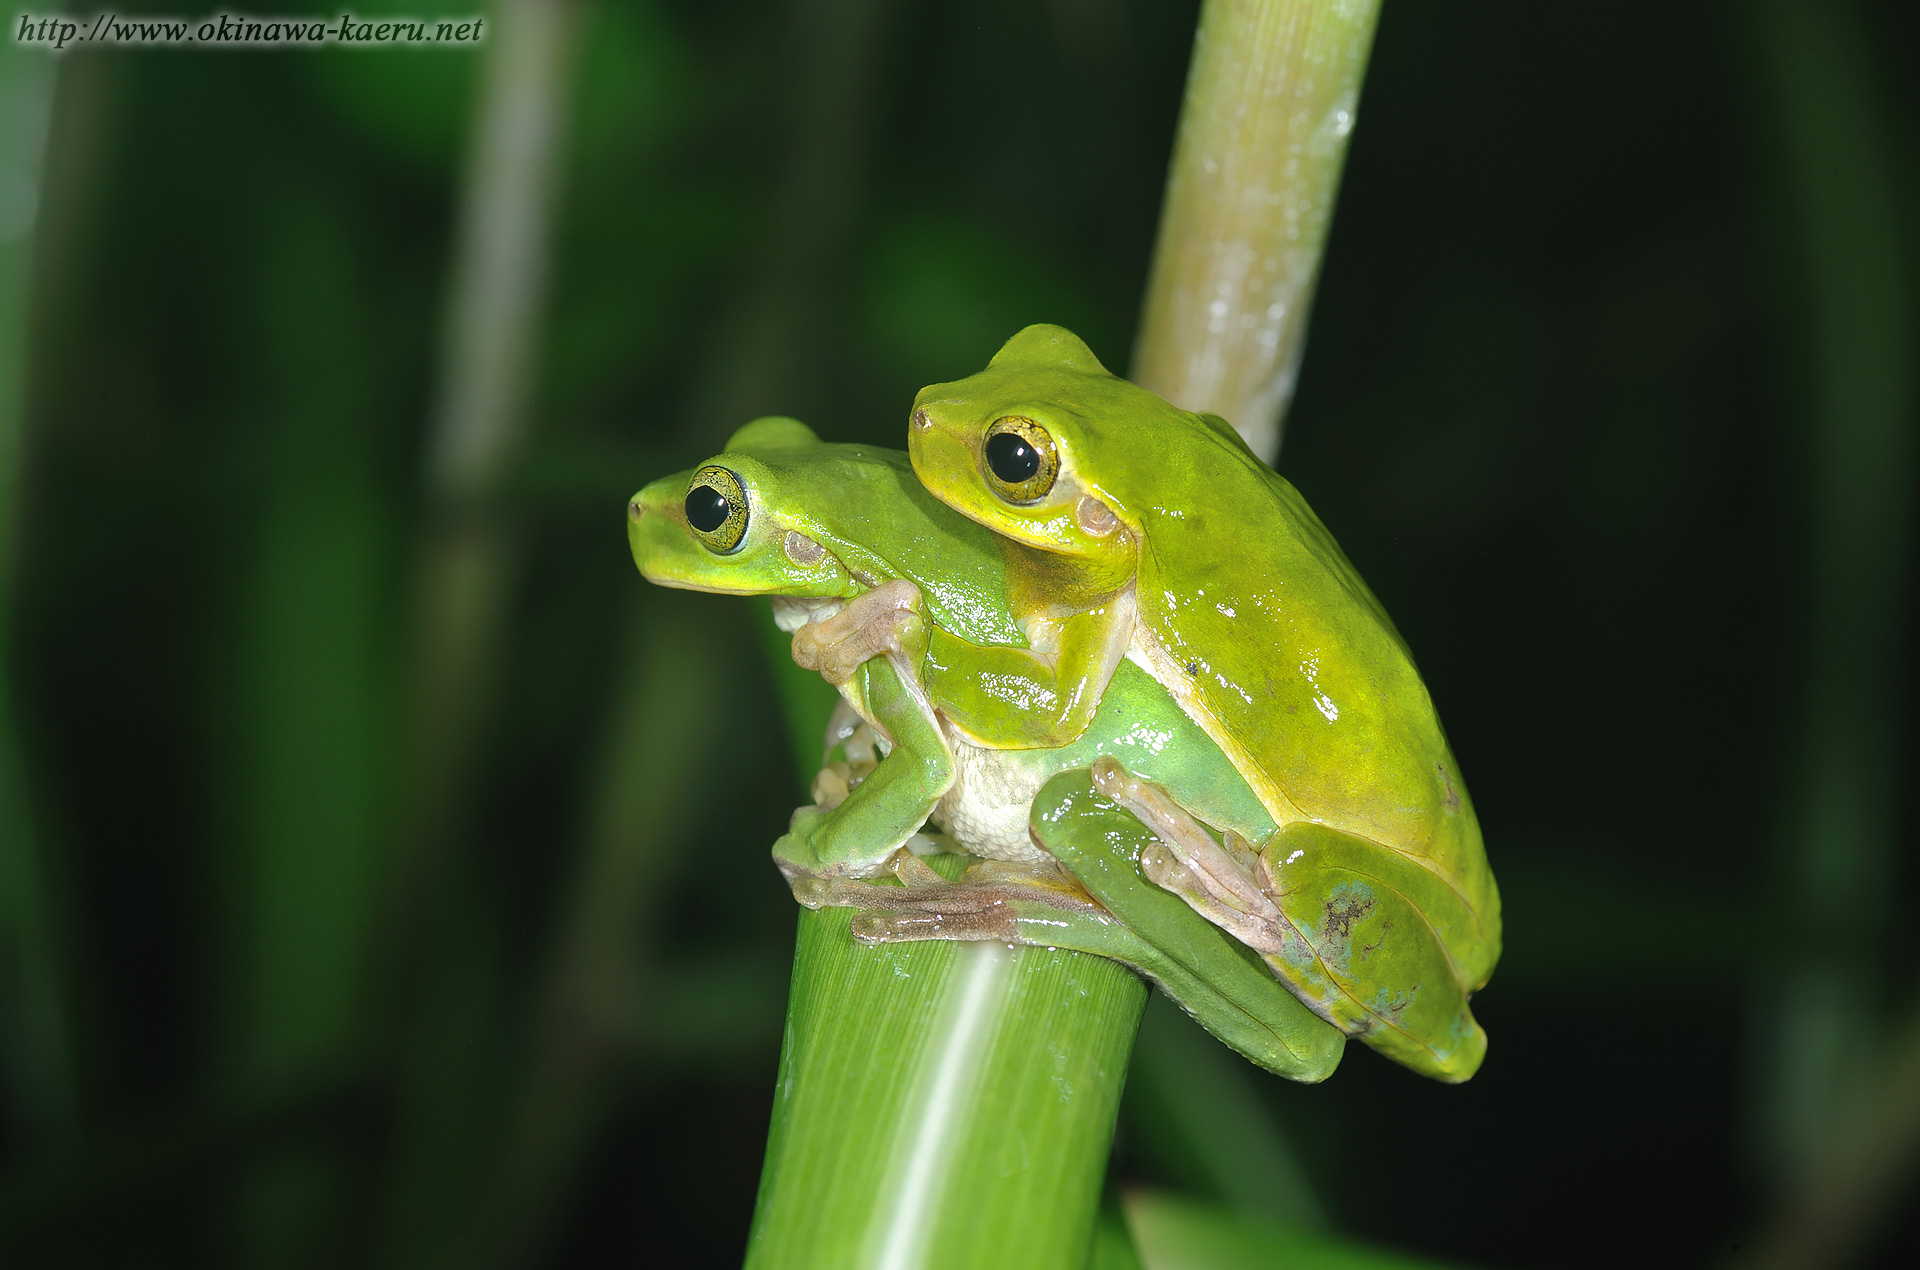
x=33 y=1032
x=1271 y=100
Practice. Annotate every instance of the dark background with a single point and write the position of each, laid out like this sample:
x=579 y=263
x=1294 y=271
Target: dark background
x=1561 y=405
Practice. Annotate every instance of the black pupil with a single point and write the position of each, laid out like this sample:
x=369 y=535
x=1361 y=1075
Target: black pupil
x=1011 y=458
x=706 y=508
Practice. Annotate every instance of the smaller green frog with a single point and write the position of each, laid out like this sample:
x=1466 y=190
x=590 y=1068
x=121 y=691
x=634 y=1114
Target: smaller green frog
x=814 y=525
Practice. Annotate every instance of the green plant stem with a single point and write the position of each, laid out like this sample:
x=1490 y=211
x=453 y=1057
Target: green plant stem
x=34 y=1060
x=941 y=1105
x=1271 y=99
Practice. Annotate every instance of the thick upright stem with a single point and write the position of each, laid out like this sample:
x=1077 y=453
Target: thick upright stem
x=1271 y=100
x=941 y=1105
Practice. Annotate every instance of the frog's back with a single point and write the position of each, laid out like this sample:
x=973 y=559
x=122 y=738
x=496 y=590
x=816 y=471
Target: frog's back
x=1263 y=628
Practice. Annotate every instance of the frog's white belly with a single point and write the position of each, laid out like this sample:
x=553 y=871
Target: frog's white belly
x=986 y=810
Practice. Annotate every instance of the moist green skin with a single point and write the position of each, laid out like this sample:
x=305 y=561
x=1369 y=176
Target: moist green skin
x=1221 y=580
x=877 y=524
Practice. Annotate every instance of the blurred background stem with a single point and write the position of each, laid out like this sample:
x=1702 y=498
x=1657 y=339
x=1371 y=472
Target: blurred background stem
x=495 y=297
x=453 y=1013
x=34 y=1038
x=1835 y=1090
x=607 y=995
x=1271 y=100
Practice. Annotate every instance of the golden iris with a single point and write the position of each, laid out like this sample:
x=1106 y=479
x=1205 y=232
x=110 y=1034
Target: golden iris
x=1020 y=459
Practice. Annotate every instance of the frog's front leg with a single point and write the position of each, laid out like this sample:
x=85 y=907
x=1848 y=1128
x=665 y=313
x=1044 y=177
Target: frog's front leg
x=860 y=836
x=881 y=621
x=1010 y=697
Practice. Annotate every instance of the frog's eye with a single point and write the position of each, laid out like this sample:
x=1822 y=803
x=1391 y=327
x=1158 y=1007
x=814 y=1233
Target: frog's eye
x=717 y=509
x=1020 y=459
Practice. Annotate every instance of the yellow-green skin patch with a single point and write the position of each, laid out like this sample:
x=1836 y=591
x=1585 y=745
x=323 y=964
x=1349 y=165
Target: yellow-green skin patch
x=1252 y=617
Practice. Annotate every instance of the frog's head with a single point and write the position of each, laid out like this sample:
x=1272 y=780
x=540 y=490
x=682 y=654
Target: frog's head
x=720 y=526
x=1047 y=447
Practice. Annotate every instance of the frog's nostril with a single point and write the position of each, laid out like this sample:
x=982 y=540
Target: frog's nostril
x=922 y=421
x=635 y=511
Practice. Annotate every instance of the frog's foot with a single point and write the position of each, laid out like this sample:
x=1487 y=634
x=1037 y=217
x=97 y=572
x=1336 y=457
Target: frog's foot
x=1216 y=881
x=871 y=625
x=992 y=900
x=822 y=890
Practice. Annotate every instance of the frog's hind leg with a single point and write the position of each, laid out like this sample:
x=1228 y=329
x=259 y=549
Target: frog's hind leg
x=1215 y=880
x=992 y=900
x=1203 y=969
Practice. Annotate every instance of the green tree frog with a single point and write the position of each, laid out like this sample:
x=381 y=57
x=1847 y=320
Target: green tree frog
x=783 y=514
x=1134 y=530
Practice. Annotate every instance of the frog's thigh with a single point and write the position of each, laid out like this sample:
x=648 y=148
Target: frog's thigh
x=1210 y=975
x=859 y=837
x=1371 y=961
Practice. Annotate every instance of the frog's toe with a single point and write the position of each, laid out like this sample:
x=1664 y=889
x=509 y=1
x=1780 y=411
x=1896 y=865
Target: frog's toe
x=1194 y=866
x=871 y=625
x=993 y=923
x=1160 y=866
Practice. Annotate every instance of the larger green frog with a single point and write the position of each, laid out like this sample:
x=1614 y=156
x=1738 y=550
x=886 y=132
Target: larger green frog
x=1134 y=529
x=783 y=514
